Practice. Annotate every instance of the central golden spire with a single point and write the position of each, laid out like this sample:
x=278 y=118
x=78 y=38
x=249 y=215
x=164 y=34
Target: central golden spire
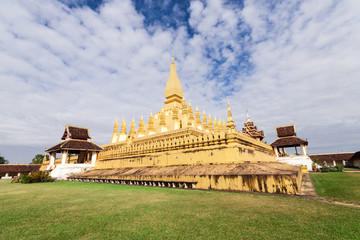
x=173 y=91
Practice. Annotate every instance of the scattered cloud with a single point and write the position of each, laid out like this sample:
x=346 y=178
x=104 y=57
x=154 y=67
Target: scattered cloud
x=88 y=62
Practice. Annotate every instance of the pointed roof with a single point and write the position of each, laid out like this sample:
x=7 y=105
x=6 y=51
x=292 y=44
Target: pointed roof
x=75 y=145
x=286 y=131
x=75 y=133
x=173 y=91
x=252 y=130
x=287 y=137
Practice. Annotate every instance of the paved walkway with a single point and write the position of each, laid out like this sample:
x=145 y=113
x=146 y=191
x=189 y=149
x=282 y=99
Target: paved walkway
x=307 y=187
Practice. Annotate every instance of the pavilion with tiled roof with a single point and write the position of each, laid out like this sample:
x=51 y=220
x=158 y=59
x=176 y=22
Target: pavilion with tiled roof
x=287 y=139
x=76 y=142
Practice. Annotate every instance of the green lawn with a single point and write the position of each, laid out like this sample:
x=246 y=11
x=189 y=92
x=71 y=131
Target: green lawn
x=340 y=186
x=73 y=210
x=351 y=169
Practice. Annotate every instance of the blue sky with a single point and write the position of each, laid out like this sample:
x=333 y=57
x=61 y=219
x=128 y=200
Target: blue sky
x=87 y=62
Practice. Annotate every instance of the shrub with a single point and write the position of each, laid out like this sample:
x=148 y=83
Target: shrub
x=324 y=169
x=15 y=180
x=24 y=178
x=34 y=177
x=340 y=168
x=332 y=169
x=40 y=176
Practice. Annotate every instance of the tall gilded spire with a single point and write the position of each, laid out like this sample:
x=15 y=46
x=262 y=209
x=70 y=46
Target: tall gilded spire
x=115 y=135
x=224 y=125
x=191 y=120
x=132 y=127
x=198 y=120
x=216 y=126
x=210 y=122
x=116 y=125
x=141 y=130
x=220 y=126
x=230 y=122
x=204 y=119
x=173 y=91
x=123 y=127
x=122 y=136
x=190 y=112
x=151 y=128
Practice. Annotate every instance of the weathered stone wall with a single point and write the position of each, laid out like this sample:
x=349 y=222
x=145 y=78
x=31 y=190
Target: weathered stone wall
x=254 y=177
x=284 y=184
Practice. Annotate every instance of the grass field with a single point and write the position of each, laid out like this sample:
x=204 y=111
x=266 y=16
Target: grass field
x=351 y=169
x=73 y=210
x=338 y=186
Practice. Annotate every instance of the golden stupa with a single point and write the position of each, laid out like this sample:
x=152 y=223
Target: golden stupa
x=180 y=148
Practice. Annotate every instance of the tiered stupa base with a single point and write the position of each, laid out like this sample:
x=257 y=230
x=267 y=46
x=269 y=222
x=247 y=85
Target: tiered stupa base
x=269 y=177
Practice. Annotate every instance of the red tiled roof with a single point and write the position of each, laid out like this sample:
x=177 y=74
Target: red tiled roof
x=286 y=131
x=74 y=144
x=335 y=156
x=76 y=133
x=14 y=169
x=288 y=142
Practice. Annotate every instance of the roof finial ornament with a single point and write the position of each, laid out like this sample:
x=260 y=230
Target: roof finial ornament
x=172 y=58
x=247 y=116
x=173 y=91
x=230 y=122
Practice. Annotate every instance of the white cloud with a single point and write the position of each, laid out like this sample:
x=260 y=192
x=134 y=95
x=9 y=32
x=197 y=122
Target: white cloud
x=307 y=69
x=75 y=65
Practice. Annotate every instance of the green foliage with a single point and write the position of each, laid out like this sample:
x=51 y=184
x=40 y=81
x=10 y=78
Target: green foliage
x=34 y=177
x=317 y=161
x=3 y=160
x=24 y=178
x=40 y=176
x=78 y=210
x=332 y=169
x=38 y=159
x=338 y=186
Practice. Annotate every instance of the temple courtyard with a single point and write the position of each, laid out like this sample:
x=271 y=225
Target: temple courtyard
x=82 y=210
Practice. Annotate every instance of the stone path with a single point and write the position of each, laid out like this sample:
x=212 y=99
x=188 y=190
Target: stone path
x=307 y=187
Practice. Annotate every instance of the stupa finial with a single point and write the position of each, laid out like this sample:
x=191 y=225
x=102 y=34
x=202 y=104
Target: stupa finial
x=230 y=122
x=116 y=124
x=173 y=91
x=247 y=116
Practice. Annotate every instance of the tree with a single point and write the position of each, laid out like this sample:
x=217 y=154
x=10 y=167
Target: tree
x=38 y=159
x=3 y=160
